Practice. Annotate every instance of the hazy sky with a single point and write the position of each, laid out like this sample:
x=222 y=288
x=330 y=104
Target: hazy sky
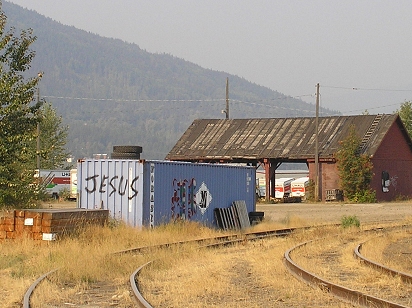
x=359 y=51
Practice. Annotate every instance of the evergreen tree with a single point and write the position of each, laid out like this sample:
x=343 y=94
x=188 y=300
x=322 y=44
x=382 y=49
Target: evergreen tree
x=53 y=137
x=19 y=115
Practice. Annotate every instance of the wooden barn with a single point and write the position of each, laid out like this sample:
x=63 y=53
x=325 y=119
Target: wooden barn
x=268 y=143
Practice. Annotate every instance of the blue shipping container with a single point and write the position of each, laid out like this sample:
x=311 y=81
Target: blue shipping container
x=191 y=191
x=152 y=193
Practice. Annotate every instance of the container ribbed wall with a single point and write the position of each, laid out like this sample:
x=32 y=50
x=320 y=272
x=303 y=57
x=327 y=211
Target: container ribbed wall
x=179 y=190
x=151 y=193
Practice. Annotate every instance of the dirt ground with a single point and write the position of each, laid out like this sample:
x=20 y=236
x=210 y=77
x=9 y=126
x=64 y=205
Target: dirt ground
x=316 y=213
x=333 y=212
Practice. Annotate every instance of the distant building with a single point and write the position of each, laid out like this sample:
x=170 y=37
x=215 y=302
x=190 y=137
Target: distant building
x=267 y=143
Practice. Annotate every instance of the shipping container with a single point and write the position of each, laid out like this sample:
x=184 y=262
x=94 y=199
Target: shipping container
x=192 y=190
x=282 y=187
x=299 y=186
x=162 y=191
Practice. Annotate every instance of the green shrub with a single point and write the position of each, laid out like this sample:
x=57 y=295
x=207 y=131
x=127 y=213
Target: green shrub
x=350 y=221
x=366 y=196
x=64 y=194
x=355 y=169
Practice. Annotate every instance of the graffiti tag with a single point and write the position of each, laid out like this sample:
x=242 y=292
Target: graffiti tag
x=183 y=203
x=112 y=185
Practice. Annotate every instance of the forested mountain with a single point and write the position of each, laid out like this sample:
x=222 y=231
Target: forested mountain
x=110 y=92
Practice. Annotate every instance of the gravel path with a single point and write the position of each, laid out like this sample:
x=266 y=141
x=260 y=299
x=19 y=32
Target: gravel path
x=333 y=212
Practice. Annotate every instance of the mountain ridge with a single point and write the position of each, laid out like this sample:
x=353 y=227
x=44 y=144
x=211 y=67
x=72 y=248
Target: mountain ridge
x=111 y=92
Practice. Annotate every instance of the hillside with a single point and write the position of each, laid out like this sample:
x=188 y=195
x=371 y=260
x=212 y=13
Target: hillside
x=111 y=92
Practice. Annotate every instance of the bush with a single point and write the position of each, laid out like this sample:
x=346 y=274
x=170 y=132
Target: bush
x=355 y=169
x=310 y=192
x=366 y=196
x=350 y=221
x=64 y=194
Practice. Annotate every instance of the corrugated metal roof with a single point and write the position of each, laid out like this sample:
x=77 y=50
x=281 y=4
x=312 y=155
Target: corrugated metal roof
x=277 y=138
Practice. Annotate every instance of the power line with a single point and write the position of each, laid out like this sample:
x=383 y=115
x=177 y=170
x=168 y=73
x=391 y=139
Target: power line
x=367 y=89
x=185 y=100
x=378 y=107
x=167 y=100
x=277 y=107
x=355 y=89
x=256 y=102
x=132 y=100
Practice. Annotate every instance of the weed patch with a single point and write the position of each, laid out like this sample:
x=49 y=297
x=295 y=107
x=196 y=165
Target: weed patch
x=350 y=221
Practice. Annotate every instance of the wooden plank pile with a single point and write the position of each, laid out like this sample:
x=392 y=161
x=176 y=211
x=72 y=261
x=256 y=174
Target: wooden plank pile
x=48 y=224
x=234 y=217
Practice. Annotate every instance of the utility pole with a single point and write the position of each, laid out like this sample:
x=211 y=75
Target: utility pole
x=227 y=98
x=317 y=146
x=38 y=135
x=40 y=75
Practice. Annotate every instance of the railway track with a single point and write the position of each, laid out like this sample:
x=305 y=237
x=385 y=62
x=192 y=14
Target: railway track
x=230 y=240
x=328 y=272
x=406 y=277
x=214 y=242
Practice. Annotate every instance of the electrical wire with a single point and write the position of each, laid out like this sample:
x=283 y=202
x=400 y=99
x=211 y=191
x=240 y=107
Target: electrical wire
x=151 y=108
x=256 y=103
x=131 y=100
x=367 y=89
x=277 y=107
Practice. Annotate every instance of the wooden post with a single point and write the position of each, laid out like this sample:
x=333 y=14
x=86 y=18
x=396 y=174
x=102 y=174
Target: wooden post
x=317 y=146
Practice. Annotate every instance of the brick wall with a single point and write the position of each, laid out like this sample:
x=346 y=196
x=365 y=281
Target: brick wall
x=395 y=157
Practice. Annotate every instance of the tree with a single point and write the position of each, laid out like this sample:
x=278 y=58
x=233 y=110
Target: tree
x=355 y=169
x=53 y=138
x=405 y=113
x=19 y=115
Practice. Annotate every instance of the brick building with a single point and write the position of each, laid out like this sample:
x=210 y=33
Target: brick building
x=268 y=143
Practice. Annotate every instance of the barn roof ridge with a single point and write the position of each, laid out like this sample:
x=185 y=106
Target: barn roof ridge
x=287 y=139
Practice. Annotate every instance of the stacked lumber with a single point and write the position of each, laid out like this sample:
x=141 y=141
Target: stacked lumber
x=42 y=224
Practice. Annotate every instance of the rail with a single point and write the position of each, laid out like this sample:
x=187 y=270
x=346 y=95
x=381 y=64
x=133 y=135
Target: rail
x=393 y=272
x=339 y=291
x=26 y=298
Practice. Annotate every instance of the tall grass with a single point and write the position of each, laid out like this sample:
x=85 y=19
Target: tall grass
x=180 y=274
x=82 y=259
x=230 y=277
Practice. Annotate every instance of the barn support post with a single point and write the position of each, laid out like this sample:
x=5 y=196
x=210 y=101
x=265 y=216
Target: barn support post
x=266 y=166
x=274 y=164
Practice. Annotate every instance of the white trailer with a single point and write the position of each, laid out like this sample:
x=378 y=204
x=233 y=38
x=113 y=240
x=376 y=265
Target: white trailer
x=283 y=187
x=54 y=181
x=299 y=186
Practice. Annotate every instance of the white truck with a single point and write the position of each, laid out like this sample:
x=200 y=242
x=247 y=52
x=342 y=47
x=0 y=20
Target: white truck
x=283 y=187
x=56 y=181
x=299 y=186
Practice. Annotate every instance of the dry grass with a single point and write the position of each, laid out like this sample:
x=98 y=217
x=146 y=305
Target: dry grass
x=231 y=277
x=393 y=250
x=332 y=258
x=250 y=274
x=81 y=260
